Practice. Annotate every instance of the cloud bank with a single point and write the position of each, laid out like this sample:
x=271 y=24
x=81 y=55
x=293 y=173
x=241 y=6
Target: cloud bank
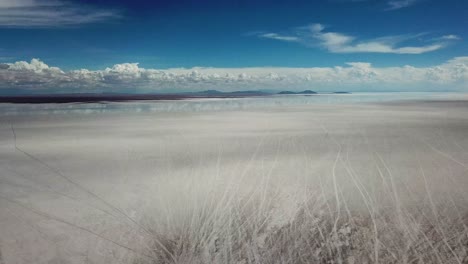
x=50 y=13
x=315 y=35
x=36 y=77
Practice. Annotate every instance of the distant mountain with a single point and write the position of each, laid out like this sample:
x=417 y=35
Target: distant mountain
x=228 y=94
x=307 y=92
x=303 y=92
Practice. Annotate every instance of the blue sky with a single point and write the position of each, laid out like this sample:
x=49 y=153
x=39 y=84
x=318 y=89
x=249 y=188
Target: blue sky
x=96 y=35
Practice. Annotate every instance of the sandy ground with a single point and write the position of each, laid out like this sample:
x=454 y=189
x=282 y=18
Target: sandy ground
x=79 y=188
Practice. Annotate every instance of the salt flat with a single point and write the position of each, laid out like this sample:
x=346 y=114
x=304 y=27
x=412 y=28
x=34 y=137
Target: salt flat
x=127 y=186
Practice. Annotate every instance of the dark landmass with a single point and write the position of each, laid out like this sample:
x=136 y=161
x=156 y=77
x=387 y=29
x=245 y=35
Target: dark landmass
x=88 y=98
x=210 y=93
x=118 y=97
x=303 y=92
x=111 y=97
x=308 y=92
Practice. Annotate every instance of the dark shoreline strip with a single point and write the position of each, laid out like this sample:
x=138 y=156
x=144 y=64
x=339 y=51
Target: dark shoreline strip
x=96 y=98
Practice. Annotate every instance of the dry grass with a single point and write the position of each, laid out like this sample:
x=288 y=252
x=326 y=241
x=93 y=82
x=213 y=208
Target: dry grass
x=247 y=230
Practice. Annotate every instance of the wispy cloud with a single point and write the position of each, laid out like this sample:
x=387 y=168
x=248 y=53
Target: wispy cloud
x=279 y=37
x=335 y=42
x=354 y=76
x=50 y=13
x=398 y=4
x=451 y=37
x=390 y=4
x=3 y=58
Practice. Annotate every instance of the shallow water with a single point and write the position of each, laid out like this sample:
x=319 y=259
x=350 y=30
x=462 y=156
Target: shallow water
x=197 y=105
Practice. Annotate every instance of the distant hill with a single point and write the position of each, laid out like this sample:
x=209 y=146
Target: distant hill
x=308 y=92
x=341 y=92
x=209 y=92
x=303 y=92
x=235 y=93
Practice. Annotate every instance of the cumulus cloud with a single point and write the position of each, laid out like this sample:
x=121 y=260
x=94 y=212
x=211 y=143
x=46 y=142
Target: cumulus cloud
x=315 y=35
x=50 y=13
x=36 y=76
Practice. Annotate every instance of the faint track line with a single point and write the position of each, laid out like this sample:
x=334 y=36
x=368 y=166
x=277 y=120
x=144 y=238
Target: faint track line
x=63 y=221
x=444 y=154
x=57 y=172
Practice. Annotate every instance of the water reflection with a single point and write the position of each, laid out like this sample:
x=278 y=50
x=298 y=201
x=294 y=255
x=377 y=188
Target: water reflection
x=197 y=105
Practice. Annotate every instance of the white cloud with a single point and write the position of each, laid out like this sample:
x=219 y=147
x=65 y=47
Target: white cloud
x=398 y=4
x=279 y=37
x=49 y=13
x=391 y=4
x=36 y=76
x=451 y=37
x=335 y=42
